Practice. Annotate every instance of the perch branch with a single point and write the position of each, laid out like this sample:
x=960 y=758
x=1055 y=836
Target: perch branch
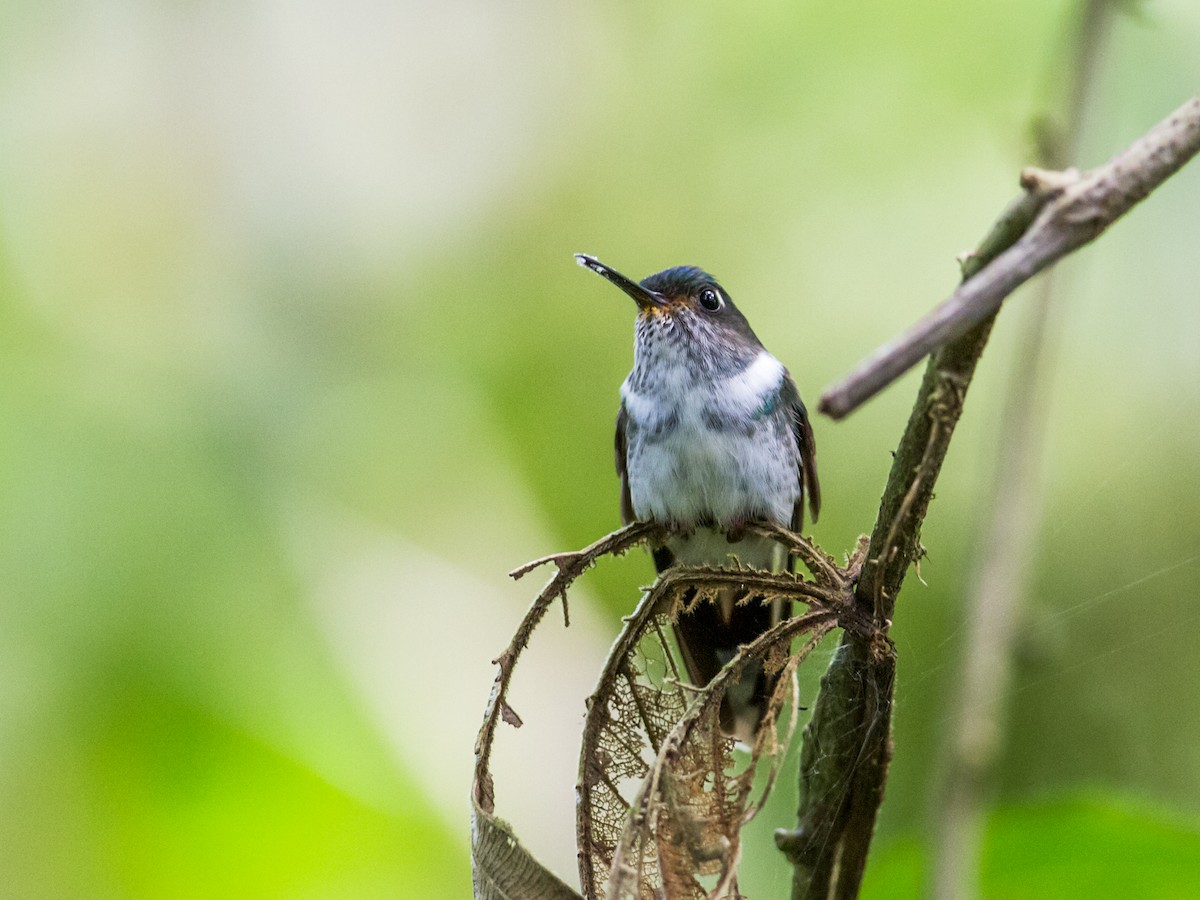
x=1074 y=210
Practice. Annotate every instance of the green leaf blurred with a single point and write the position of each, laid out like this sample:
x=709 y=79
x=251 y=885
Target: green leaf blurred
x=1087 y=846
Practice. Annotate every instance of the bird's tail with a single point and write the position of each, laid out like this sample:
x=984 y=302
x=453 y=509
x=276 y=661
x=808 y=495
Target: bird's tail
x=709 y=634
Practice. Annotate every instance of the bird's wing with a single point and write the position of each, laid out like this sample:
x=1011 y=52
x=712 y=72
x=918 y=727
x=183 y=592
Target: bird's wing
x=805 y=443
x=663 y=557
x=626 y=501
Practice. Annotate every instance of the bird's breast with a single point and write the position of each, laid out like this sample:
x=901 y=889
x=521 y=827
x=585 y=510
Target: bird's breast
x=711 y=450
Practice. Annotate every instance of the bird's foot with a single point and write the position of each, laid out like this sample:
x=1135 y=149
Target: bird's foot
x=735 y=529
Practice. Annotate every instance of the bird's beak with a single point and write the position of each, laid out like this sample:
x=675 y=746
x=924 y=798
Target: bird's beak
x=645 y=299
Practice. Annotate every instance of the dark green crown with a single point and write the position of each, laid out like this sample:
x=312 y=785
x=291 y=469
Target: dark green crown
x=680 y=281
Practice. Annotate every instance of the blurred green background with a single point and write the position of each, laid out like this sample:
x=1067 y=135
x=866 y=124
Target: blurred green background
x=295 y=365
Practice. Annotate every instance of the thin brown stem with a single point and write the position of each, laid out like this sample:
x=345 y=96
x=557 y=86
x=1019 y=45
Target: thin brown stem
x=1079 y=208
x=570 y=566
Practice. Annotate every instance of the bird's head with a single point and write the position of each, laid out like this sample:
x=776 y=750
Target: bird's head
x=686 y=296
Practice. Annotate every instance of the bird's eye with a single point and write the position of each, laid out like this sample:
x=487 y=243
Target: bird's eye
x=710 y=299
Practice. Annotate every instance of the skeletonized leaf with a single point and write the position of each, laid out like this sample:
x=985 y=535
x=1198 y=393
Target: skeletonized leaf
x=661 y=802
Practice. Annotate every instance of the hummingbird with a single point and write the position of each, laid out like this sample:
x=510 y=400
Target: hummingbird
x=711 y=436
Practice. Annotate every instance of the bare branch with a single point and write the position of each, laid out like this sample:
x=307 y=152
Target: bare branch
x=1074 y=210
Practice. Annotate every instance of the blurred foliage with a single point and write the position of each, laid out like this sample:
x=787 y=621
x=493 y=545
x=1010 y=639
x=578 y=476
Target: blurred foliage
x=1081 y=846
x=295 y=364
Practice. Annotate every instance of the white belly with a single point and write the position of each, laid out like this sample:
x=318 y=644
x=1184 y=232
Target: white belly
x=700 y=452
x=696 y=475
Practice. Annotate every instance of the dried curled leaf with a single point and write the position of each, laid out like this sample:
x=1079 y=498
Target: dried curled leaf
x=509 y=715
x=502 y=867
x=504 y=870
x=661 y=805
x=661 y=802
